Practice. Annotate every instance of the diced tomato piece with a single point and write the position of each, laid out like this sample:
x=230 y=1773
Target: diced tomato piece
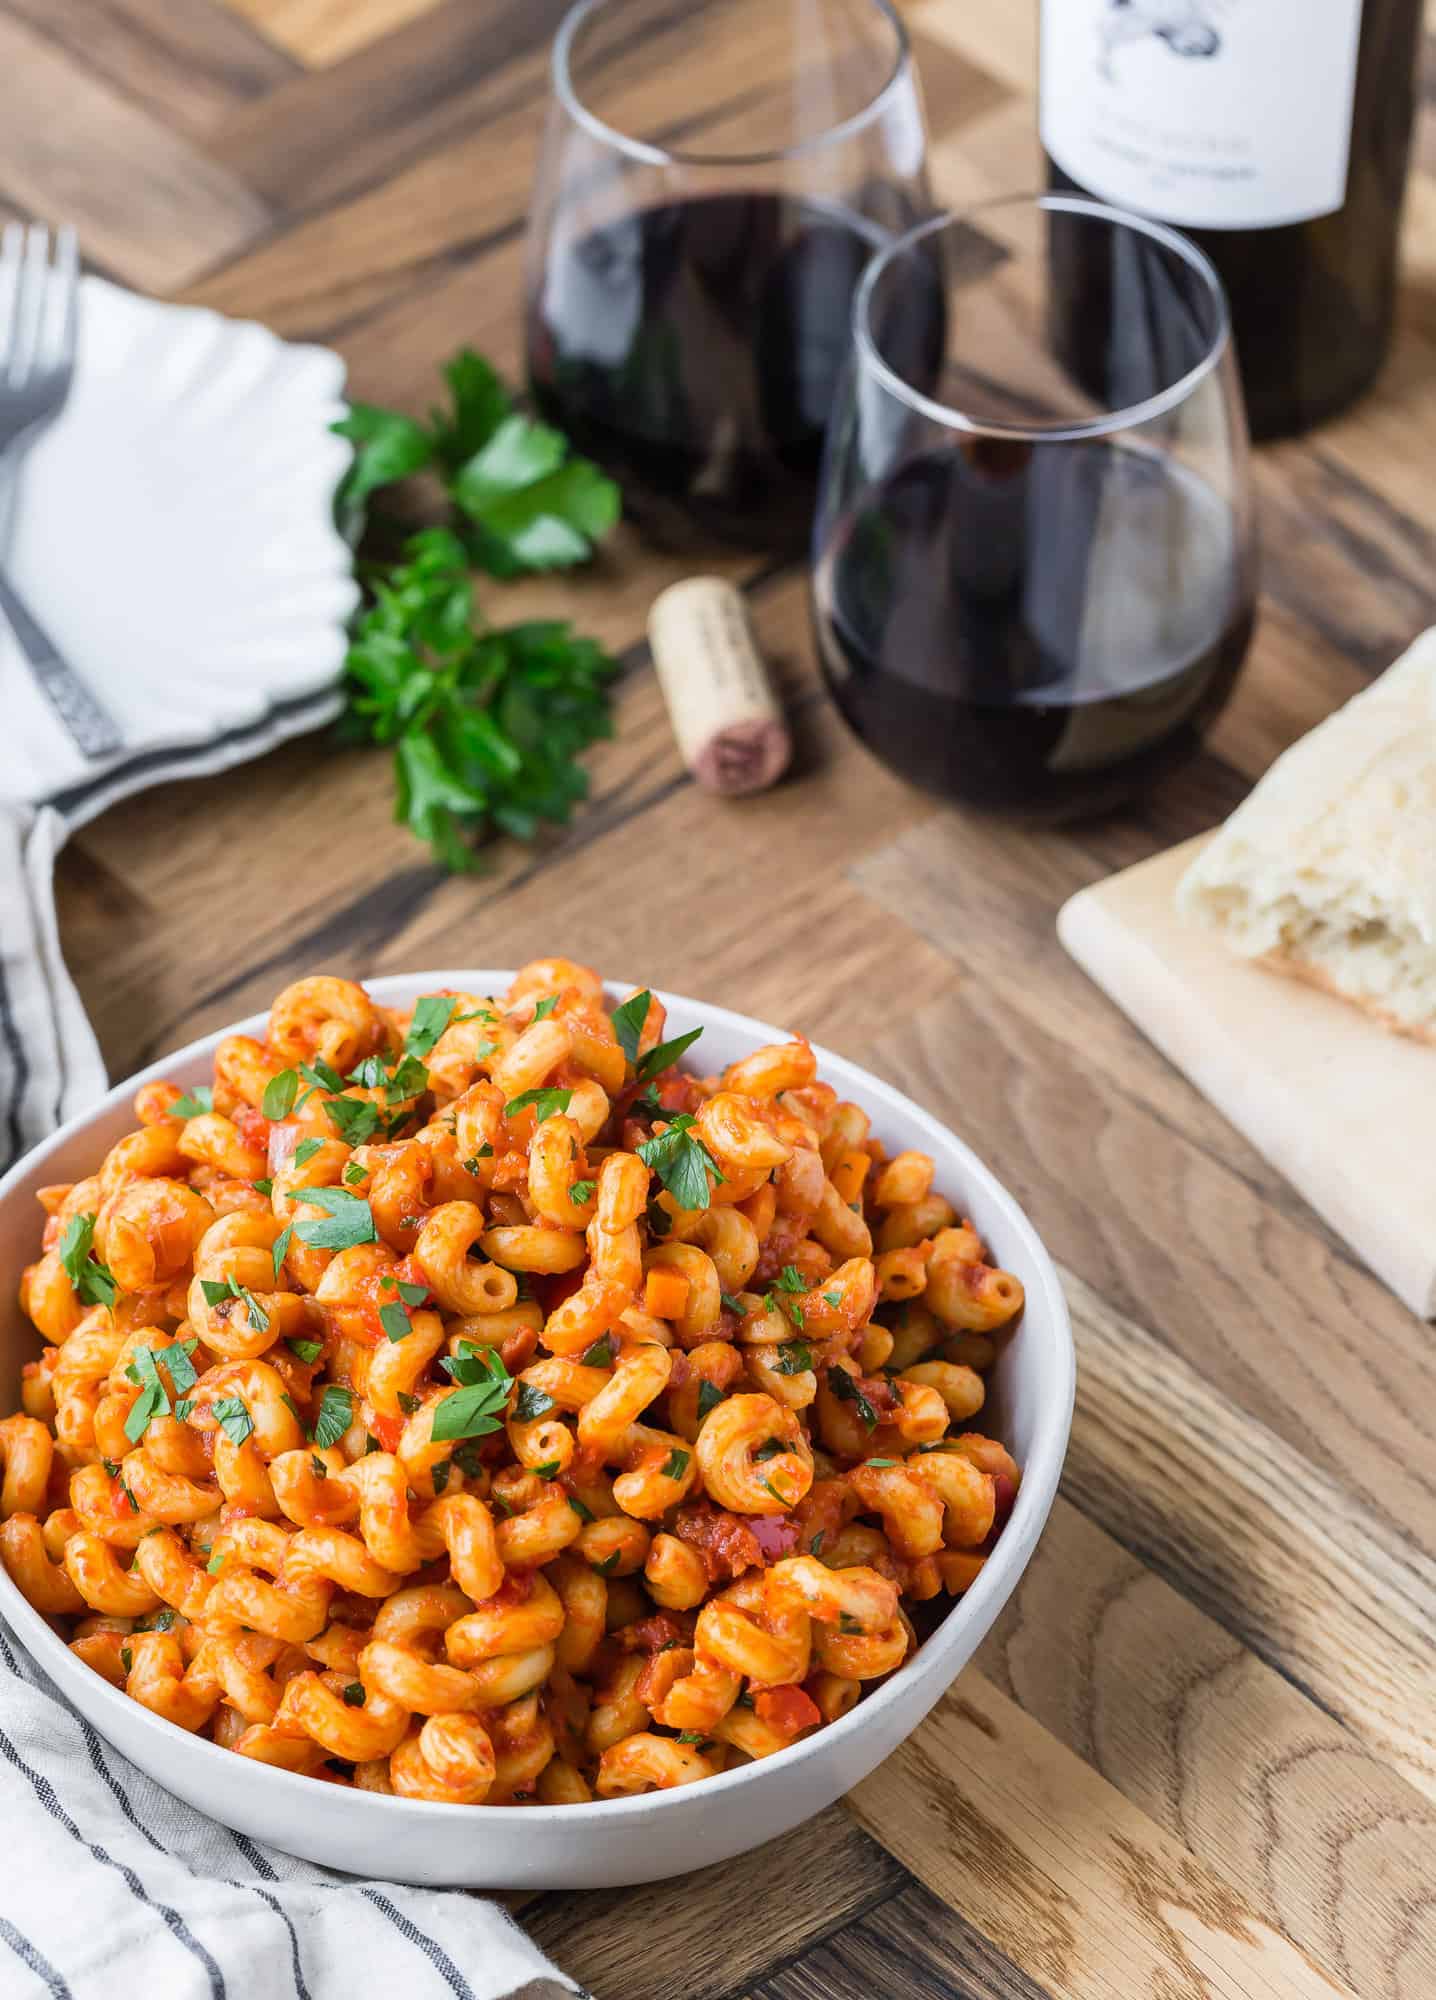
x=650 y=1635
x=253 y=1126
x=787 y=1709
x=775 y=1534
x=1004 y=1492
x=388 y=1430
x=725 y=1541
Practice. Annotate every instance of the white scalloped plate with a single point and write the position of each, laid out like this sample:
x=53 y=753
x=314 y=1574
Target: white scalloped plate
x=174 y=533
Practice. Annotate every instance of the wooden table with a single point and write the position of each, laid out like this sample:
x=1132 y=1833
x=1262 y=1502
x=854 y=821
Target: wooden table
x=1197 y=1755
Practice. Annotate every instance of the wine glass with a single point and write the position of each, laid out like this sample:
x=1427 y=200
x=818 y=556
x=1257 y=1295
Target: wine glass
x=1034 y=556
x=714 y=178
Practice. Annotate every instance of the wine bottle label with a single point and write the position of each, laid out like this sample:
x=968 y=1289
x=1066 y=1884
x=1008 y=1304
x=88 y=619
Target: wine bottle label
x=1210 y=114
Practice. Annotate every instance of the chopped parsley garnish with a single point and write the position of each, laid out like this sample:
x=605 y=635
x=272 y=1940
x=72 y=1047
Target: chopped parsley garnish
x=879 y=1461
x=794 y=1357
x=336 y=1414
x=677 y=1464
x=665 y=1055
x=681 y=1162
x=410 y=1079
x=306 y=1149
x=847 y=1623
x=353 y=1695
x=233 y=1419
x=127 y=1659
x=790 y=1279
x=709 y=1397
x=584 y=1513
x=216 y=1291
x=93 y=1281
x=815 y=1545
x=354 y=1175
x=477 y=1407
x=410 y=1293
x=317 y=1466
x=545 y=1006
x=407 y=1403
x=439 y=1475
x=769 y=1448
x=355 y=1119
x=692 y=1736
x=279 y=1095
x=732 y=1305
x=628 y=1022
x=153 y=1399
x=544 y=1101
x=547 y=1470
x=834 y=1299
x=395 y=1321
x=600 y=1354
x=372 y=1073
x=532 y=1402
x=346 y=1222
x=659 y=1221
x=609 y=1563
x=290 y=1405
x=781 y=1498
x=194 y=1103
x=432 y=1014
x=582 y=1191
x=265 y=1186
x=845 y=1388
x=308 y=1351
x=215 y=1564
x=163 y=1620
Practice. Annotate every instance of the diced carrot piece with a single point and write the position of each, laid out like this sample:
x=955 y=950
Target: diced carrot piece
x=666 y=1294
x=850 y=1173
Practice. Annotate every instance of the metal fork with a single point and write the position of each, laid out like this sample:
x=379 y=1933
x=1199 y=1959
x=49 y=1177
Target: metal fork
x=37 y=361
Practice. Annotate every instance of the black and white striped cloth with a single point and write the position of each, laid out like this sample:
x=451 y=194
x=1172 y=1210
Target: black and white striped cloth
x=107 y=1880
x=110 y=1884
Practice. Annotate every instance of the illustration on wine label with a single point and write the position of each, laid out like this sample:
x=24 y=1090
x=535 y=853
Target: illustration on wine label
x=1185 y=26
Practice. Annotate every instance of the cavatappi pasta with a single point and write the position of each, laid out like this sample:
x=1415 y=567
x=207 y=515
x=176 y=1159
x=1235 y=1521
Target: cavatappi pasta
x=473 y=1405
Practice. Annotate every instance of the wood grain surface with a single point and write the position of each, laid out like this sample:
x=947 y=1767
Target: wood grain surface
x=1197 y=1755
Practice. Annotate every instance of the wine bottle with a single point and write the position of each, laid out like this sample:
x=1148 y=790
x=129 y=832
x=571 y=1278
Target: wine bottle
x=1275 y=133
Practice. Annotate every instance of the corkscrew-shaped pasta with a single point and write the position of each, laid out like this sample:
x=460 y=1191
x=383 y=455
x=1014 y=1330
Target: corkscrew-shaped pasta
x=469 y=1404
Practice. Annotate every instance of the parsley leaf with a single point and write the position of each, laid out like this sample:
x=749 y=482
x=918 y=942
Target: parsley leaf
x=532 y=1403
x=432 y=1015
x=545 y=1102
x=815 y=1545
x=411 y=1294
x=321 y=1075
x=371 y=1073
x=353 y=1695
x=308 y=1351
x=769 y=1448
x=681 y=1162
x=665 y=1055
x=709 y=1397
x=582 y=1191
x=600 y=1354
x=790 y=1279
x=265 y=1186
x=474 y=1410
x=354 y=1175
x=93 y=1281
x=279 y=1095
x=545 y=1006
x=346 y=1222
x=583 y=1512
x=834 y=1299
x=216 y=1291
x=306 y=1149
x=628 y=1022
x=845 y=1388
x=794 y=1357
x=233 y=1418
x=676 y=1464
x=215 y=1564
x=193 y=1103
x=395 y=1321
x=336 y=1414
x=355 y=1119
x=730 y=1304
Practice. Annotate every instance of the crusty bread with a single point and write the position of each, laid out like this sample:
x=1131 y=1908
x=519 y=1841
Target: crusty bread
x=1327 y=872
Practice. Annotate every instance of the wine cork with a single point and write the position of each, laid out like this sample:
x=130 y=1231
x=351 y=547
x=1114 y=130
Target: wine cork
x=725 y=715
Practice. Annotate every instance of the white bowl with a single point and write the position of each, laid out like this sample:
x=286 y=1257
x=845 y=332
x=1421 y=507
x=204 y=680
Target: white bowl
x=611 y=1842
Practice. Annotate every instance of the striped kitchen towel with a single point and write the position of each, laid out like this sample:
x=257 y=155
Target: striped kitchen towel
x=110 y=1884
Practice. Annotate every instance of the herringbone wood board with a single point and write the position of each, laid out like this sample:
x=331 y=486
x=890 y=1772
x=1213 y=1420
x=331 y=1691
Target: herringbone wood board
x=1197 y=1757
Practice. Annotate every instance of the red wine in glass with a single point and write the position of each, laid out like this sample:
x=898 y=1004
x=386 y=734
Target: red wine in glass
x=1034 y=568
x=1001 y=626
x=694 y=254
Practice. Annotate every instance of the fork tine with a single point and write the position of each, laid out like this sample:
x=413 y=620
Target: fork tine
x=12 y=244
x=30 y=305
x=67 y=288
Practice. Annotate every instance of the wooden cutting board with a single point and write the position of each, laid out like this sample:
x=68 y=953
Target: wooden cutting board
x=1345 y=1110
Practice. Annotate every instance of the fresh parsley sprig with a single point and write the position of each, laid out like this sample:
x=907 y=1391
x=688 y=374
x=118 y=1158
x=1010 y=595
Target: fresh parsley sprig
x=486 y=722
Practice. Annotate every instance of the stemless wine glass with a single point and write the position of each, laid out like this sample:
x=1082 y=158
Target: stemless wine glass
x=1034 y=560
x=714 y=178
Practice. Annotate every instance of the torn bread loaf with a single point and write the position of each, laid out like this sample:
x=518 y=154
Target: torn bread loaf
x=1327 y=872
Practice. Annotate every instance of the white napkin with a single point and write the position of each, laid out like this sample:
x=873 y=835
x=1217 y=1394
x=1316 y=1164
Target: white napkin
x=110 y=1883
x=174 y=534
